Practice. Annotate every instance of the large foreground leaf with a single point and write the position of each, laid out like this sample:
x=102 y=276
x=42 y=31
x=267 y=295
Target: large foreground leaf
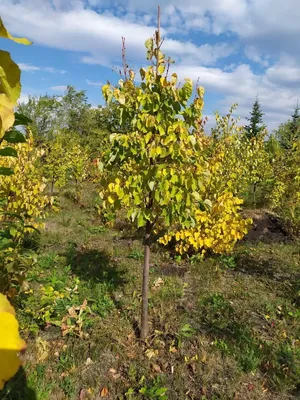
x=10 y=342
x=5 y=34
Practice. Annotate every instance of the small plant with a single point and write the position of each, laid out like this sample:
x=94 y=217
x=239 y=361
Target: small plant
x=217 y=312
x=195 y=259
x=67 y=386
x=136 y=255
x=227 y=262
x=94 y=230
x=221 y=345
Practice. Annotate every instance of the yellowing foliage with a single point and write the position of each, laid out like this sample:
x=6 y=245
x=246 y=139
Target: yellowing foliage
x=217 y=228
x=10 y=86
x=24 y=190
x=64 y=160
x=10 y=342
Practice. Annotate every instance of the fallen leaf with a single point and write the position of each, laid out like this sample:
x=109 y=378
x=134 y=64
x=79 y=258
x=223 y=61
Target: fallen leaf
x=104 y=392
x=89 y=361
x=42 y=347
x=112 y=370
x=204 y=358
x=157 y=283
x=72 y=312
x=156 y=368
x=81 y=394
x=151 y=353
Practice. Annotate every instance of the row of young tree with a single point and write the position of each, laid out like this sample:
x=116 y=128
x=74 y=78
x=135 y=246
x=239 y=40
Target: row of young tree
x=146 y=152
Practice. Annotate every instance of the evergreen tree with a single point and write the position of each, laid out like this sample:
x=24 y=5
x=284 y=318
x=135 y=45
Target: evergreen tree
x=256 y=125
x=289 y=132
x=294 y=128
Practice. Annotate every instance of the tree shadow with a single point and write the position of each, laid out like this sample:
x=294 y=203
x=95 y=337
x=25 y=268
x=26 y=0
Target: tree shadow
x=17 y=388
x=271 y=269
x=251 y=265
x=95 y=266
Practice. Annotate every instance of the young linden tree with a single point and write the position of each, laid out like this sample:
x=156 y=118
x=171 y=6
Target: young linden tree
x=156 y=168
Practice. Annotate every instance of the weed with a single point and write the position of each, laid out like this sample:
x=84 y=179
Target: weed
x=67 y=386
x=95 y=230
x=227 y=262
x=136 y=255
x=221 y=345
x=151 y=391
x=217 y=312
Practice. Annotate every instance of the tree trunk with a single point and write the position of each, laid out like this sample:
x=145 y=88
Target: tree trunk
x=145 y=287
x=254 y=195
x=52 y=188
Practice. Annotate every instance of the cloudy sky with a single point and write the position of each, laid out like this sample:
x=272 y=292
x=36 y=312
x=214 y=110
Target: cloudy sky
x=237 y=48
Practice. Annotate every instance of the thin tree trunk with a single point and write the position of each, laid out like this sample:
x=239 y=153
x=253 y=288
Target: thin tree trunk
x=254 y=195
x=145 y=287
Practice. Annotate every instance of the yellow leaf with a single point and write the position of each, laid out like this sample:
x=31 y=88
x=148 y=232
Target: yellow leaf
x=5 y=305
x=104 y=392
x=10 y=342
x=10 y=77
x=7 y=117
x=5 y=34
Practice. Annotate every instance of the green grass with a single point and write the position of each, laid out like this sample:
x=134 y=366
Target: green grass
x=222 y=328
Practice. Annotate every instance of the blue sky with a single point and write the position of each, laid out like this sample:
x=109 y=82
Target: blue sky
x=237 y=48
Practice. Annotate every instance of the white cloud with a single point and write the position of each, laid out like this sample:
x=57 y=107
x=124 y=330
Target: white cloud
x=241 y=86
x=28 y=67
x=54 y=70
x=97 y=35
x=255 y=55
x=33 y=68
x=267 y=31
x=286 y=72
x=91 y=83
x=59 y=88
x=23 y=98
x=188 y=53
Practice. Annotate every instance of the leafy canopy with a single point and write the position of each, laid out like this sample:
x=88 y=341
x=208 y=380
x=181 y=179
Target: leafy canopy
x=156 y=168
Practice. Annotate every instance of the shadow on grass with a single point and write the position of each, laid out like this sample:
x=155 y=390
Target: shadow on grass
x=255 y=266
x=95 y=266
x=274 y=270
x=17 y=389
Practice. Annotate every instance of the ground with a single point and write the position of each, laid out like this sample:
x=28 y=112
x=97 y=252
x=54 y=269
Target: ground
x=227 y=327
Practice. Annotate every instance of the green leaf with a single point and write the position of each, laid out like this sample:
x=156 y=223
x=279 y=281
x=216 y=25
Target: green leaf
x=208 y=203
x=6 y=171
x=21 y=119
x=200 y=91
x=149 y=44
x=121 y=99
x=140 y=220
x=151 y=185
x=8 y=152
x=187 y=89
x=14 y=136
x=142 y=73
x=161 y=391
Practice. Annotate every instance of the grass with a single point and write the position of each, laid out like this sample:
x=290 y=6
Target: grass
x=222 y=328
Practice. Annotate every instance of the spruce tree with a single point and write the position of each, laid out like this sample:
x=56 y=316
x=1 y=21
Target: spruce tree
x=256 y=125
x=289 y=132
x=294 y=128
